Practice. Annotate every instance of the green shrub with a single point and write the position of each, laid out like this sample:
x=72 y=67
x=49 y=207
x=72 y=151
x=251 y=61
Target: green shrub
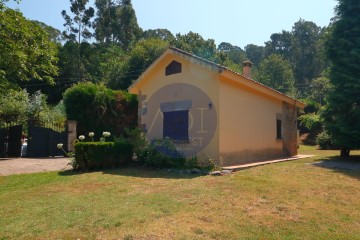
x=192 y=162
x=123 y=150
x=102 y=155
x=324 y=141
x=161 y=154
x=97 y=108
x=208 y=164
x=311 y=121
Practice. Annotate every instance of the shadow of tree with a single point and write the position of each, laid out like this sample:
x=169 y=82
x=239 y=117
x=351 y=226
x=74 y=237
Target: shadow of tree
x=139 y=170
x=349 y=166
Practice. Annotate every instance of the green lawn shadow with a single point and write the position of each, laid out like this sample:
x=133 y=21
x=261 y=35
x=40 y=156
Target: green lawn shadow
x=349 y=166
x=139 y=170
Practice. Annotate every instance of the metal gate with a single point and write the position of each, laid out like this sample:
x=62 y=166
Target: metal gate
x=10 y=141
x=43 y=139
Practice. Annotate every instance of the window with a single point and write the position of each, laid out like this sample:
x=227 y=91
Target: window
x=278 y=129
x=176 y=125
x=173 y=68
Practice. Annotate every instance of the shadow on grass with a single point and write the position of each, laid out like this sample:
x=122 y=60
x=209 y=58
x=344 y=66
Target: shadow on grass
x=138 y=170
x=349 y=166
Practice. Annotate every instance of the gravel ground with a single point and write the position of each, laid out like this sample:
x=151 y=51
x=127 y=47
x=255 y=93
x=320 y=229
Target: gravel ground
x=30 y=165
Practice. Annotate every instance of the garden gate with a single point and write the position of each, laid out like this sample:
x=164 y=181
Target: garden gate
x=10 y=141
x=43 y=138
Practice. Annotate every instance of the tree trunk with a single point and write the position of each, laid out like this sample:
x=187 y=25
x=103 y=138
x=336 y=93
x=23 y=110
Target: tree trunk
x=345 y=152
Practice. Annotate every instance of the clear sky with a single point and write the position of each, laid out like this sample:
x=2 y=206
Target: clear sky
x=239 y=22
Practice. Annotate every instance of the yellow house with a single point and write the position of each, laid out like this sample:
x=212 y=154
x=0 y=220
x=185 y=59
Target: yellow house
x=210 y=110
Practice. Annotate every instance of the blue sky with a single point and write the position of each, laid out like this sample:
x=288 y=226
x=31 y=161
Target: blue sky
x=238 y=22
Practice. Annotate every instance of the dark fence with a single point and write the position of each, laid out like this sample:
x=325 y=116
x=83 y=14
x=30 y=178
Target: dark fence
x=10 y=140
x=43 y=139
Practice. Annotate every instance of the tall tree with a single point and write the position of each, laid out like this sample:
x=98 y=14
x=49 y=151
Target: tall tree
x=53 y=33
x=26 y=53
x=116 y=22
x=275 y=72
x=235 y=53
x=342 y=113
x=196 y=44
x=103 y=24
x=280 y=43
x=160 y=33
x=141 y=56
x=306 y=53
x=254 y=53
x=79 y=25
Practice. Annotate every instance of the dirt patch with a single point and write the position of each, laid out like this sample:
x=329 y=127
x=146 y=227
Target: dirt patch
x=31 y=165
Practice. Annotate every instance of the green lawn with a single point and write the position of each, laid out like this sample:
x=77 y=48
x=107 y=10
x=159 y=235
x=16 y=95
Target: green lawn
x=290 y=200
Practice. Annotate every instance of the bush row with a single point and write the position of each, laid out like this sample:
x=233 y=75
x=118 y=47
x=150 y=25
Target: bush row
x=102 y=155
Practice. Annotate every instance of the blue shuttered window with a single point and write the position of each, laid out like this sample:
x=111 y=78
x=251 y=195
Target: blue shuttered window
x=176 y=125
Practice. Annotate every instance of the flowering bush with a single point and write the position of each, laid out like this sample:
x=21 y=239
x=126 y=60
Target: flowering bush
x=106 y=134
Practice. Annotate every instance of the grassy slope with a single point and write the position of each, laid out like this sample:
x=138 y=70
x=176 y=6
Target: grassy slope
x=292 y=200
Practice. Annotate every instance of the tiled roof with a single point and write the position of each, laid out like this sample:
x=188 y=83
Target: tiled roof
x=220 y=69
x=223 y=68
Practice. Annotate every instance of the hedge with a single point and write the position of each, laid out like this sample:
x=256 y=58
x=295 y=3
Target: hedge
x=97 y=109
x=102 y=155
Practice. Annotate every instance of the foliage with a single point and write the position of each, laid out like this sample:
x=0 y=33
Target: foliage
x=102 y=155
x=113 y=66
x=208 y=163
x=14 y=106
x=25 y=51
x=19 y=107
x=303 y=48
x=196 y=44
x=319 y=88
x=342 y=113
x=254 y=53
x=79 y=25
x=311 y=106
x=162 y=34
x=275 y=72
x=96 y=108
x=230 y=56
x=161 y=153
x=306 y=53
x=324 y=141
x=95 y=155
x=54 y=34
x=116 y=23
x=144 y=53
x=311 y=121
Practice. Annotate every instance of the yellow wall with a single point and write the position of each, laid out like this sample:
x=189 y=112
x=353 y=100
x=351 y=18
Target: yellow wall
x=194 y=74
x=245 y=110
x=247 y=125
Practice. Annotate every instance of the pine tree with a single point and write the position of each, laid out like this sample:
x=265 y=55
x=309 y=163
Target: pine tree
x=342 y=114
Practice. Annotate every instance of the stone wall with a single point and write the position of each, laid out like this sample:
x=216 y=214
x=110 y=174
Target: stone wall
x=289 y=129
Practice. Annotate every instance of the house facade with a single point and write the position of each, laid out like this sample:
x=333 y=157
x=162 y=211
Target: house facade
x=208 y=110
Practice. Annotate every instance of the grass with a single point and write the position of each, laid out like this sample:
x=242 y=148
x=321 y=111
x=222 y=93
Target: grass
x=289 y=200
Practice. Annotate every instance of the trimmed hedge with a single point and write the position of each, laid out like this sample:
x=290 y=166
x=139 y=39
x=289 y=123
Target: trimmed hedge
x=97 y=109
x=102 y=155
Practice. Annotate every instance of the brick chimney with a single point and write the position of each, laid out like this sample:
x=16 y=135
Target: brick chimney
x=247 y=68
